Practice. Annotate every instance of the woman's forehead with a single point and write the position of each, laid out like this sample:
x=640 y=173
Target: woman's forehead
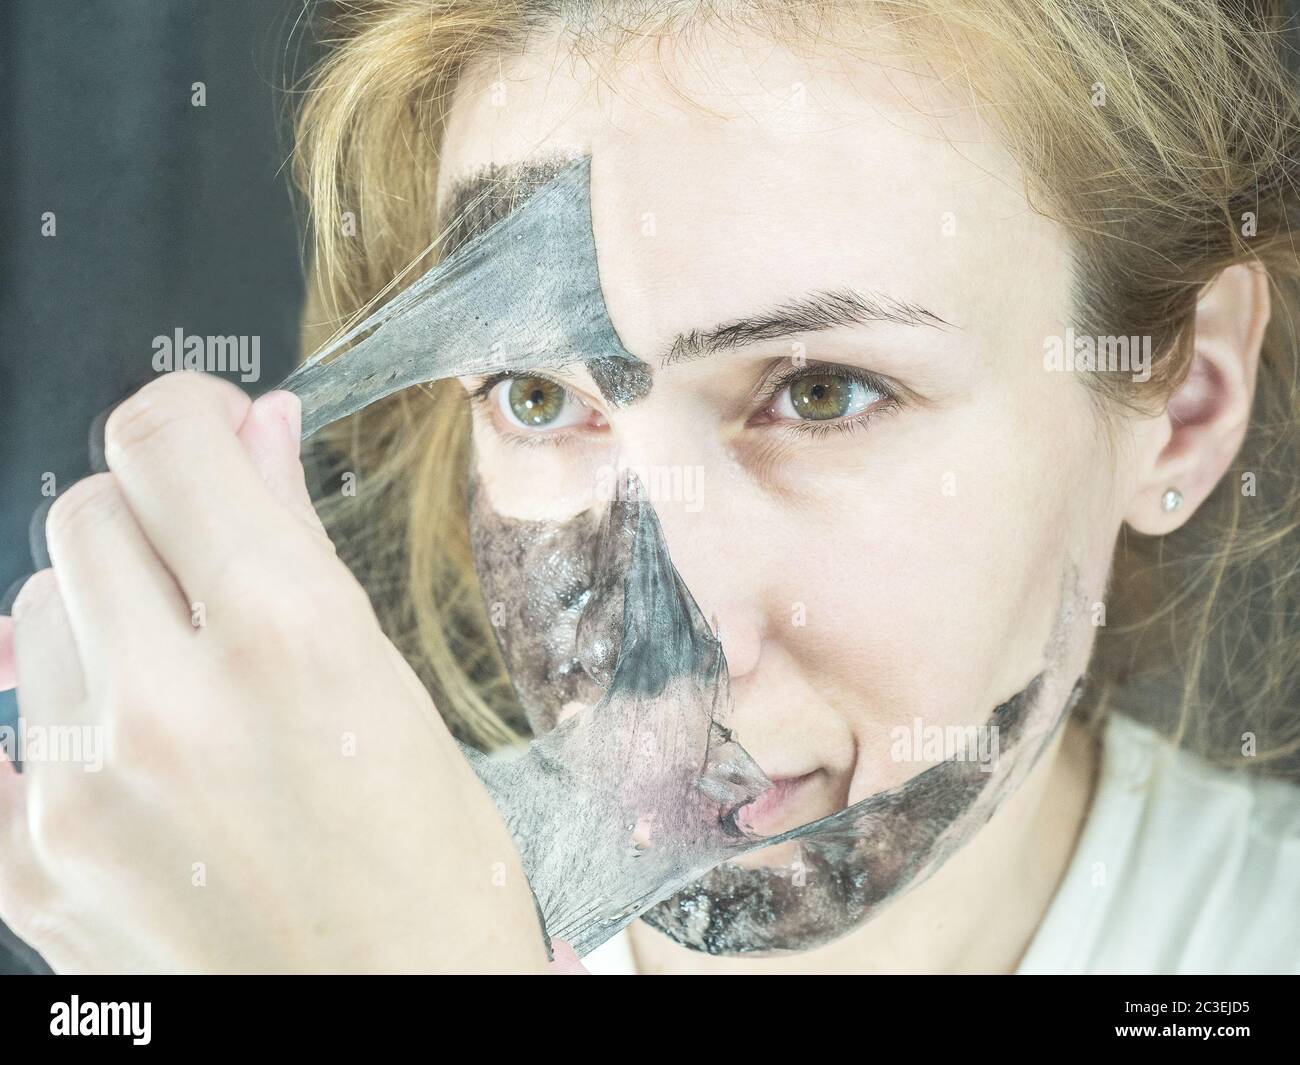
x=703 y=215
x=690 y=105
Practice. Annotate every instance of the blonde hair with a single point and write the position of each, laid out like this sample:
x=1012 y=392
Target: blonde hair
x=1185 y=169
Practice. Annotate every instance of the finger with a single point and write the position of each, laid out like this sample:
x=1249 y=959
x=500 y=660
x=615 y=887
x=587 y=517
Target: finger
x=271 y=434
x=17 y=866
x=24 y=885
x=124 y=606
x=7 y=676
x=51 y=688
x=192 y=486
x=13 y=795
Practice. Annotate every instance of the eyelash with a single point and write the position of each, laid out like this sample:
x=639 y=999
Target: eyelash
x=770 y=387
x=765 y=393
x=481 y=397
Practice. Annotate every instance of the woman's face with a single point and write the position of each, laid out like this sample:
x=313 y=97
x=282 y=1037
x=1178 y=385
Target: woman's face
x=864 y=473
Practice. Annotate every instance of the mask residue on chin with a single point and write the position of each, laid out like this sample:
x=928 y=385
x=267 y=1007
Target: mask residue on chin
x=630 y=807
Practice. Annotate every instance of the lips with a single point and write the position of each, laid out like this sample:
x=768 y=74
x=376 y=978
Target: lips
x=769 y=813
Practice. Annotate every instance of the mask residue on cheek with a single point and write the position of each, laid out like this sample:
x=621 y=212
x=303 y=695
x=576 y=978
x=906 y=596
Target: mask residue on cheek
x=620 y=805
x=536 y=580
x=634 y=801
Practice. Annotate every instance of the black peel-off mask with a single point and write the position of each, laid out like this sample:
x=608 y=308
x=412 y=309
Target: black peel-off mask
x=629 y=806
x=637 y=794
x=490 y=305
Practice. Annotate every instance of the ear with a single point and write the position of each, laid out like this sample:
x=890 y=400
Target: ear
x=1190 y=446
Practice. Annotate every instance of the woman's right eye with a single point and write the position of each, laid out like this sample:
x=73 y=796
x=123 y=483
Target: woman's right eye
x=538 y=404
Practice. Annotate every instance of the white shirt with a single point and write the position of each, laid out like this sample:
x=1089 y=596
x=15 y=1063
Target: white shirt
x=1181 y=867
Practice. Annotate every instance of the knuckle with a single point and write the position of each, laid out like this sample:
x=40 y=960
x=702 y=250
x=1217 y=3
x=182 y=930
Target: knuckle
x=247 y=583
x=56 y=821
x=90 y=499
x=138 y=736
x=139 y=420
x=286 y=613
x=254 y=601
x=165 y=405
x=276 y=624
x=38 y=590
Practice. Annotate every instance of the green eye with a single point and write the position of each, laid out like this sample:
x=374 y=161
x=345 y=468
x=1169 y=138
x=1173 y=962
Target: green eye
x=535 y=401
x=825 y=397
x=820 y=397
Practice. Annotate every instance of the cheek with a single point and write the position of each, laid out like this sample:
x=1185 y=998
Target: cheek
x=535 y=579
x=941 y=571
x=536 y=481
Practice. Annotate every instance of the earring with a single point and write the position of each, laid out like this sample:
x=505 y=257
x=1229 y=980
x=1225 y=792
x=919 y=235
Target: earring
x=1171 y=500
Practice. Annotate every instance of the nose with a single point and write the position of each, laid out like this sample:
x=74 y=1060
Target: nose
x=705 y=540
x=740 y=633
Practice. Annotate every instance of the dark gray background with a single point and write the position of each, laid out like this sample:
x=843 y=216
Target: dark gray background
x=168 y=215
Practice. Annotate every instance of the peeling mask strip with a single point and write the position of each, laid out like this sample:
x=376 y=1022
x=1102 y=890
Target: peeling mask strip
x=629 y=807
x=616 y=808
x=524 y=295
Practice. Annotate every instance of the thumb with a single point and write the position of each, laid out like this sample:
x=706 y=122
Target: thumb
x=271 y=434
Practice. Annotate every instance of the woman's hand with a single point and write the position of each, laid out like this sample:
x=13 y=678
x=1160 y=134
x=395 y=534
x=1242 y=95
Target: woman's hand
x=277 y=791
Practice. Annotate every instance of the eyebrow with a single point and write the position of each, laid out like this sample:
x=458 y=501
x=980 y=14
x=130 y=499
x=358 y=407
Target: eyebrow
x=808 y=314
x=478 y=201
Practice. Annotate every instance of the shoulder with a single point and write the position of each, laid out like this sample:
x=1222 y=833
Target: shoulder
x=1181 y=867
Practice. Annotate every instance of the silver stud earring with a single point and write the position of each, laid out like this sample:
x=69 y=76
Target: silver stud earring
x=1171 y=500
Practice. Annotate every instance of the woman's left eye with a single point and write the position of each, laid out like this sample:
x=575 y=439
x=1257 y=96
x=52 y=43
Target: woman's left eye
x=823 y=397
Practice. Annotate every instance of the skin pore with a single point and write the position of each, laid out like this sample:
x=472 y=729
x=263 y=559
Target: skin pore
x=895 y=562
